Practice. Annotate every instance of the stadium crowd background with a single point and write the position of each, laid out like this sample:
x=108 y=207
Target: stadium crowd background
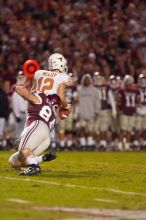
x=95 y=36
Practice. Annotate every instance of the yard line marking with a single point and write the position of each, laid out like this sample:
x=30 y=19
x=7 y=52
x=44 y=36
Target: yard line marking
x=18 y=200
x=105 y=200
x=76 y=186
x=137 y=165
x=125 y=192
x=91 y=213
x=115 y=214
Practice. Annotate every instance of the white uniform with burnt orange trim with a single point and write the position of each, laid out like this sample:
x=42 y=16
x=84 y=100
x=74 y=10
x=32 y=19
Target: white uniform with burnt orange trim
x=48 y=81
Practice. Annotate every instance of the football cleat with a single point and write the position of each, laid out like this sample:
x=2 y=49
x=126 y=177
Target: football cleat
x=33 y=169
x=50 y=156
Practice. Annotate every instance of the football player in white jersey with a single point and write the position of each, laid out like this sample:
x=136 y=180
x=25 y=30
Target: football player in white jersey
x=52 y=81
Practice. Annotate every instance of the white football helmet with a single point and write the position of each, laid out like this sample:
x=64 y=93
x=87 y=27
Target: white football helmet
x=99 y=79
x=142 y=80
x=57 y=62
x=128 y=79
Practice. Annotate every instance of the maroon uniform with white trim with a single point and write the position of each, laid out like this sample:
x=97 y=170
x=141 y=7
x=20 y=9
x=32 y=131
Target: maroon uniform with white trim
x=43 y=111
x=128 y=101
x=103 y=91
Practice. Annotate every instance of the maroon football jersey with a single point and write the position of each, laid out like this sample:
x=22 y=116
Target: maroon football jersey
x=128 y=101
x=43 y=111
x=103 y=89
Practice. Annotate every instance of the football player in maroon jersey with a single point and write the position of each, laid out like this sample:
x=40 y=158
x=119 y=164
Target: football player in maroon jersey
x=141 y=114
x=128 y=100
x=35 y=137
x=108 y=109
x=114 y=86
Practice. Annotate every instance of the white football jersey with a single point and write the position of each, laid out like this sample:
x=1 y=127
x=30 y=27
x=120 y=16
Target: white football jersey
x=49 y=81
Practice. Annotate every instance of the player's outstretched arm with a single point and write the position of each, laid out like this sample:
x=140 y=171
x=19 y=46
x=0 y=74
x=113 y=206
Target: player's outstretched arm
x=26 y=94
x=61 y=94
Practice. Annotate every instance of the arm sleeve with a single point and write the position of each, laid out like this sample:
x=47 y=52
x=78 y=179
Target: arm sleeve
x=37 y=74
x=112 y=100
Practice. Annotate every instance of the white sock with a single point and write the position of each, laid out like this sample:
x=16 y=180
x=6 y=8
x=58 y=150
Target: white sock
x=39 y=159
x=90 y=141
x=31 y=160
x=62 y=143
x=69 y=143
x=136 y=143
x=127 y=146
x=120 y=146
x=82 y=141
x=4 y=143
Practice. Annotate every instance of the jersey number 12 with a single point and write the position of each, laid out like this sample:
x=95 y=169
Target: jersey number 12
x=45 y=84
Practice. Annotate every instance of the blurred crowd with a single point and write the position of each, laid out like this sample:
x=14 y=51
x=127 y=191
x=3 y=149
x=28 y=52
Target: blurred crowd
x=105 y=36
x=94 y=35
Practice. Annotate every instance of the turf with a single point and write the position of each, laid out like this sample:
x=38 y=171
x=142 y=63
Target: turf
x=74 y=179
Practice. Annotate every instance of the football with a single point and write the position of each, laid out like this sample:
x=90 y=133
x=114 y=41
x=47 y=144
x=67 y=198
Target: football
x=63 y=113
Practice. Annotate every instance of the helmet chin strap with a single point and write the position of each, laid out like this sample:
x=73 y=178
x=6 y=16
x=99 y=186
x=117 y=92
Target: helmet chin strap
x=55 y=70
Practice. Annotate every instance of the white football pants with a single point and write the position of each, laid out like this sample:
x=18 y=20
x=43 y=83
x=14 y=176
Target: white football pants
x=35 y=137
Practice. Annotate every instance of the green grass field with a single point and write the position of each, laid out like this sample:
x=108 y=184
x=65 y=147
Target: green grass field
x=79 y=180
